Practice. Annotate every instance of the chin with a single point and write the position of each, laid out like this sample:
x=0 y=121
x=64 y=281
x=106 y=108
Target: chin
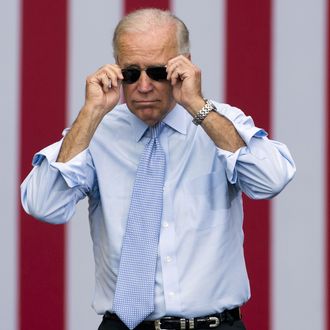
x=149 y=117
x=150 y=122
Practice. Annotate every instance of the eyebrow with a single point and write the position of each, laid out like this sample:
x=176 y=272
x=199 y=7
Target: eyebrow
x=132 y=66
x=135 y=66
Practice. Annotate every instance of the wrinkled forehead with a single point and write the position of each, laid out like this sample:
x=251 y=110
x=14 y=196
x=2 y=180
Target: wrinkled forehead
x=153 y=44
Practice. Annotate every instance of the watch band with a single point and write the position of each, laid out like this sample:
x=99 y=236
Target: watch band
x=202 y=114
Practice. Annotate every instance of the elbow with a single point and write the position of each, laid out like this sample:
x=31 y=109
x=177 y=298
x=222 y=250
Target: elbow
x=44 y=209
x=279 y=181
x=274 y=188
x=46 y=215
x=46 y=196
x=269 y=186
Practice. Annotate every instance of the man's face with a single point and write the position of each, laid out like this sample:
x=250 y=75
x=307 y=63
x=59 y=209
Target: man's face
x=148 y=99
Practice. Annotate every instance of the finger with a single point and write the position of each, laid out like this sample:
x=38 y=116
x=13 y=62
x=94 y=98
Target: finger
x=175 y=78
x=170 y=68
x=114 y=74
x=178 y=68
x=173 y=73
x=177 y=73
x=178 y=61
x=103 y=81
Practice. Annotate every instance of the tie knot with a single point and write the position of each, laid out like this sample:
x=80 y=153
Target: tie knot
x=156 y=129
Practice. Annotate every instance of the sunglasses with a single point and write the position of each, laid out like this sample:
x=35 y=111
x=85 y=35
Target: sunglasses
x=132 y=75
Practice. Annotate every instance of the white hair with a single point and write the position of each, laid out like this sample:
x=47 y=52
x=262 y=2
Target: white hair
x=145 y=20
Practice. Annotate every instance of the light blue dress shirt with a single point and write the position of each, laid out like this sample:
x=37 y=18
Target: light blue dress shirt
x=201 y=268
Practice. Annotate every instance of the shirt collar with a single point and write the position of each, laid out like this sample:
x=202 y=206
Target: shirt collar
x=138 y=128
x=176 y=119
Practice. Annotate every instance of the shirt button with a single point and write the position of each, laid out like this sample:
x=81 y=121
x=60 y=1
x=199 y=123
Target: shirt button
x=168 y=259
x=165 y=224
x=171 y=294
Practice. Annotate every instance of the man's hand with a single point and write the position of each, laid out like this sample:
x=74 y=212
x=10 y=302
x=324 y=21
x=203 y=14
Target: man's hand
x=103 y=88
x=102 y=95
x=185 y=78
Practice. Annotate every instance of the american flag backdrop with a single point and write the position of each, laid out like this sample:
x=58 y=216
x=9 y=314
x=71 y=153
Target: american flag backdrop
x=271 y=58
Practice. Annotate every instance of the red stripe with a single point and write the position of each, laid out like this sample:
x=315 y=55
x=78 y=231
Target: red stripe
x=248 y=57
x=327 y=202
x=43 y=104
x=130 y=5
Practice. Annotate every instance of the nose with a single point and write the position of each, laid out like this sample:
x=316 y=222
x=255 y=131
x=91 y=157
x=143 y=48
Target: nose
x=144 y=83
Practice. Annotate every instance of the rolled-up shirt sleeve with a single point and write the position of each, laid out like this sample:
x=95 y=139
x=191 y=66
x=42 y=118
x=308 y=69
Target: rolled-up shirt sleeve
x=263 y=167
x=52 y=189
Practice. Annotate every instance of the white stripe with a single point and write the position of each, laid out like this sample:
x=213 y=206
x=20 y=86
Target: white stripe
x=299 y=119
x=9 y=129
x=91 y=27
x=206 y=23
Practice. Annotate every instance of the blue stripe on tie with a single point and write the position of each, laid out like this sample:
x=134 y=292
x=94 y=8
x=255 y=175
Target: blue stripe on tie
x=134 y=295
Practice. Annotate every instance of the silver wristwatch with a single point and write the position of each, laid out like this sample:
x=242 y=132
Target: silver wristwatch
x=202 y=114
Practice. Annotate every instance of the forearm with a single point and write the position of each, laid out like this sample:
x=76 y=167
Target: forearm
x=220 y=129
x=80 y=134
x=222 y=132
x=263 y=168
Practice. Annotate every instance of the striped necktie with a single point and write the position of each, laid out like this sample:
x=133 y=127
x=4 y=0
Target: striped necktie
x=134 y=295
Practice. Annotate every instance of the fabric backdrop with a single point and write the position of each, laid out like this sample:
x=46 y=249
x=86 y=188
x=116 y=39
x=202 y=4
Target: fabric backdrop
x=268 y=57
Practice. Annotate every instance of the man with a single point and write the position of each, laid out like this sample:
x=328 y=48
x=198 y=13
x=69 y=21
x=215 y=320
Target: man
x=164 y=174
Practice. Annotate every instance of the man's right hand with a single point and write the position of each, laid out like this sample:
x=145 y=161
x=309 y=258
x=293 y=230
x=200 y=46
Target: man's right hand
x=103 y=88
x=102 y=95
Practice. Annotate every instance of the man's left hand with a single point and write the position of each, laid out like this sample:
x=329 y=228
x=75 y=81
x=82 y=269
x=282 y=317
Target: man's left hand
x=185 y=78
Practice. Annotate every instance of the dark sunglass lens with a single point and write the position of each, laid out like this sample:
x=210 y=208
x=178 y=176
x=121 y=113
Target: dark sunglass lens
x=157 y=73
x=130 y=75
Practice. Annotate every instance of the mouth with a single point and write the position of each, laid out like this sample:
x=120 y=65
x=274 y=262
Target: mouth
x=145 y=103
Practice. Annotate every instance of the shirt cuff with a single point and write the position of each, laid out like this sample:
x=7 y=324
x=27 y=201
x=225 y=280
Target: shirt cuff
x=49 y=153
x=247 y=131
x=73 y=171
x=243 y=124
x=230 y=159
